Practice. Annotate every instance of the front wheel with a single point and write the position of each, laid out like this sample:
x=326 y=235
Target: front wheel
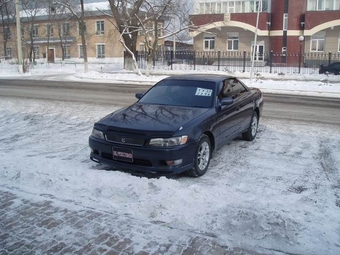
x=250 y=134
x=202 y=157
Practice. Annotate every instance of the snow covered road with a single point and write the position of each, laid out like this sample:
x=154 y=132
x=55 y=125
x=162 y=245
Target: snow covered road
x=277 y=194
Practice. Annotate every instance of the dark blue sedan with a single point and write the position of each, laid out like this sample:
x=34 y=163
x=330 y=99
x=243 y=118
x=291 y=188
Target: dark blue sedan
x=176 y=125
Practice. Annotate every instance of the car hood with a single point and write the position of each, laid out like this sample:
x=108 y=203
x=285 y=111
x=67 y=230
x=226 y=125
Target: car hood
x=145 y=117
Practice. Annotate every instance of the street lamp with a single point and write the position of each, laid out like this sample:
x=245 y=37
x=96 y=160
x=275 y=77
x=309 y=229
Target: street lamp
x=301 y=39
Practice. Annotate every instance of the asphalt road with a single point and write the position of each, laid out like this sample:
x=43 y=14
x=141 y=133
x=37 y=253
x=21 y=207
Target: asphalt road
x=290 y=107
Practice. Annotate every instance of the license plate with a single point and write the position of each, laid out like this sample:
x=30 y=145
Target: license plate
x=122 y=154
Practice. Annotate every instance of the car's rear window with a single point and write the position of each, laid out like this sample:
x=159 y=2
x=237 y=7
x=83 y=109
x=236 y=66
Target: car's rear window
x=181 y=93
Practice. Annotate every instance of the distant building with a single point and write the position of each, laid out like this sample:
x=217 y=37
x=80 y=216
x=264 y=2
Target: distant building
x=55 y=35
x=284 y=26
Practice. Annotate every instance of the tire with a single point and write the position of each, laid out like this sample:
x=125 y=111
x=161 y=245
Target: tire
x=250 y=134
x=202 y=157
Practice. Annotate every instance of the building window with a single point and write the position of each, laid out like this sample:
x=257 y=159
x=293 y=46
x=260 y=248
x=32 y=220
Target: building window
x=49 y=30
x=209 y=42
x=142 y=47
x=35 y=31
x=100 y=27
x=81 y=52
x=339 y=43
x=318 y=42
x=285 y=21
x=237 y=6
x=323 y=5
x=8 y=53
x=7 y=33
x=67 y=51
x=100 y=50
x=36 y=52
x=218 y=8
x=209 y=8
x=80 y=28
x=159 y=29
x=66 y=29
x=232 y=41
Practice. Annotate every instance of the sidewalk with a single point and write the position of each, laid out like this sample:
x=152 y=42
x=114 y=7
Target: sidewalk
x=45 y=225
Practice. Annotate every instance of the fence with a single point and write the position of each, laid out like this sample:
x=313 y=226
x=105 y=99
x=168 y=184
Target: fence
x=238 y=61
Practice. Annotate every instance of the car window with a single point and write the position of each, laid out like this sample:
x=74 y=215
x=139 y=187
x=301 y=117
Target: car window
x=226 y=90
x=232 y=88
x=238 y=88
x=181 y=93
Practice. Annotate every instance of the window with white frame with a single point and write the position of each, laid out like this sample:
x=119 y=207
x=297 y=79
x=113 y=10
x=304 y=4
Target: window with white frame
x=232 y=41
x=323 y=5
x=318 y=42
x=159 y=29
x=35 y=31
x=285 y=21
x=100 y=29
x=237 y=6
x=339 y=43
x=67 y=51
x=209 y=42
x=80 y=50
x=100 y=50
x=218 y=7
x=65 y=28
x=36 y=52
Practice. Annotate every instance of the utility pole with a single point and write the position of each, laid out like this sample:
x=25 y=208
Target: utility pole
x=83 y=40
x=255 y=39
x=17 y=11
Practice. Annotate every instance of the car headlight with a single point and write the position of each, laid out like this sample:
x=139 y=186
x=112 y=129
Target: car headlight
x=168 y=142
x=97 y=134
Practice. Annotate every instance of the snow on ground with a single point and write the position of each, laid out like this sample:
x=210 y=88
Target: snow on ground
x=274 y=193
x=280 y=192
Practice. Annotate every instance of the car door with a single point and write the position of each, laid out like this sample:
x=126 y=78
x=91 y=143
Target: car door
x=226 y=116
x=244 y=105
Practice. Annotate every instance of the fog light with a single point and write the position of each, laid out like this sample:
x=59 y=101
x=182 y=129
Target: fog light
x=174 y=162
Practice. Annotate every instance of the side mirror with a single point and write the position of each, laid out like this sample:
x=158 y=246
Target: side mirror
x=227 y=101
x=139 y=95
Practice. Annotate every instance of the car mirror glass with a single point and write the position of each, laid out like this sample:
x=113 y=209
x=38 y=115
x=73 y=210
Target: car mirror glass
x=227 y=101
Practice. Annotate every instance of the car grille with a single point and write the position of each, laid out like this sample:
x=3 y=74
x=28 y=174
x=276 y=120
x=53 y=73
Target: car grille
x=124 y=139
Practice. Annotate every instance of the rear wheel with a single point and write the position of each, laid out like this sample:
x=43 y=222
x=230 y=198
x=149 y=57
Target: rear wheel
x=250 y=134
x=202 y=157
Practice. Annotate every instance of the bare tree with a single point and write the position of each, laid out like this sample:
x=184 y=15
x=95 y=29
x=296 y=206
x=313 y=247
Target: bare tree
x=125 y=13
x=7 y=12
x=73 y=7
x=31 y=9
x=148 y=18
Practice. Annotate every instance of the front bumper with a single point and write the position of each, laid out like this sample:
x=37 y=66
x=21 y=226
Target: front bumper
x=145 y=159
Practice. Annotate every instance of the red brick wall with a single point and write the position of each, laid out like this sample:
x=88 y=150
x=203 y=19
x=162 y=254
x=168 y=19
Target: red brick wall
x=277 y=14
x=202 y=19
x=250 y=18
x=296 y=10
x=315 y=18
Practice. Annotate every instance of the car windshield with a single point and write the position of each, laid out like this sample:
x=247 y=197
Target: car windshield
x=181 y=93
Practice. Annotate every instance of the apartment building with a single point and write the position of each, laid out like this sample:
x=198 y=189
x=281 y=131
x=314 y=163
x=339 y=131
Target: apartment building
x=284 y=27
x=52 y=38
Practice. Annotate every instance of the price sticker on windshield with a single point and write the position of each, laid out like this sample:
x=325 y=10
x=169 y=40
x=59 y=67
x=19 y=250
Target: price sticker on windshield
x=203 y=92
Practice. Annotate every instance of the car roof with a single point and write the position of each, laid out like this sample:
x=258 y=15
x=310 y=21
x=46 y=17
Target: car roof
x=200 y=77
